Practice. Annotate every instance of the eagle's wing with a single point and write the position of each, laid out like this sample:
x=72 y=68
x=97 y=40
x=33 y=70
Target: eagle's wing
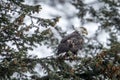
x=76 y=43
x=72 y=42
x=68 y=37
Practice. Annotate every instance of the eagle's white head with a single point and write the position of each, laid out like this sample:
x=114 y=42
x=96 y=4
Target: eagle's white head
x=81 y=30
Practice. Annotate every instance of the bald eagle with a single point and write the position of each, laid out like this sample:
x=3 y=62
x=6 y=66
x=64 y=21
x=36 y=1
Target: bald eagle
x=73 y=42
